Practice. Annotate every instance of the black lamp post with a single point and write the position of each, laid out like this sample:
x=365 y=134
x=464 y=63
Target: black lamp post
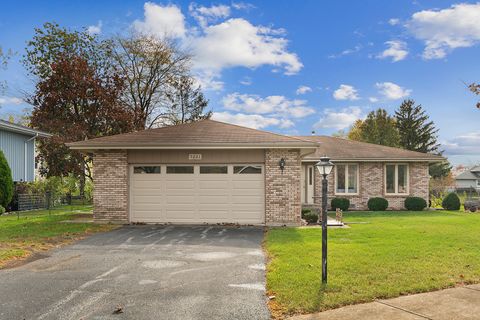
x=324 y=166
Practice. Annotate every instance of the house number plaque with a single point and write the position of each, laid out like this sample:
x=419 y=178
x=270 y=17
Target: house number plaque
x=195 y=156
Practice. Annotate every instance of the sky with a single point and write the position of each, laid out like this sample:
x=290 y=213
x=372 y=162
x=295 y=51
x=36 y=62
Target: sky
x=293 y=67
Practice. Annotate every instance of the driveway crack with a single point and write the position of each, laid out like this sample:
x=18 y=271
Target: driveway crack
x=404 y=310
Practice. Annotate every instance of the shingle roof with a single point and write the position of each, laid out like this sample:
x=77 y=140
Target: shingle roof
x=468 y=175
x=343 y=149
x=13 y=127
x=205 y=133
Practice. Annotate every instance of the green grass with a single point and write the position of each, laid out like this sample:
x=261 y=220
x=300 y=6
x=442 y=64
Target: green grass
x=387 y=255
x=41 y=230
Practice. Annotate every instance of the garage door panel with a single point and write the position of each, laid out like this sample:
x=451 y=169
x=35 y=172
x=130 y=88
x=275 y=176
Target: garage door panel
x=180 y=199
x=197 y=197
x=180 y=213
x=213 y=184
x=247 y=199
x=147 y=184
x=180 y=184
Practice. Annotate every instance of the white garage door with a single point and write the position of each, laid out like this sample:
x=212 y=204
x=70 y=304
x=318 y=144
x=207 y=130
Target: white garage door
x=197 y=193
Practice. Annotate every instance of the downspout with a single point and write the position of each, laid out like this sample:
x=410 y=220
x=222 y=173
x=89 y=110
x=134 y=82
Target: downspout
x=25 y=156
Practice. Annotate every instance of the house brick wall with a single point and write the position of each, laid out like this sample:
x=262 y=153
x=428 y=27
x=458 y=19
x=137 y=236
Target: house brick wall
x=282 y=189
x=372 y=184
x=110 y=194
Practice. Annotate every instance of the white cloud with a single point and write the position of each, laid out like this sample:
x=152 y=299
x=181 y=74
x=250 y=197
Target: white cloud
x=242 y=6
x=392 y=91
x=95 y=29
x=345 y=92
x=397 y=50
x=205 y=15
x=446 y=29
x=277 y=106
x=234 y=42
x=255 y=121
x=303 y=90
x=161 y=21
x=393 y=21
x=339 y=119
x=466 y=144
x=346 y=52
x=10 y=100
x=238 y=43
x=246 y=81
x=373 y=99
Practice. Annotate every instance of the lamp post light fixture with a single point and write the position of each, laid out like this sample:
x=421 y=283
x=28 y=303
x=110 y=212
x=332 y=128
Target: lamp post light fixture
x=324 y=166
x=282 y=164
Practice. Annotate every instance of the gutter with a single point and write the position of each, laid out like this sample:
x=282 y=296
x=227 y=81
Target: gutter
x=25 y=155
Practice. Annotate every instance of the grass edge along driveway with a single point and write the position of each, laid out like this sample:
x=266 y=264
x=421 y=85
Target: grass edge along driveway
x=382 y=255
x=40 y=230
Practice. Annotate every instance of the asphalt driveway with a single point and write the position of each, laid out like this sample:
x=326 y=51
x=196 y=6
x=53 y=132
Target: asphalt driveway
x=149 y=272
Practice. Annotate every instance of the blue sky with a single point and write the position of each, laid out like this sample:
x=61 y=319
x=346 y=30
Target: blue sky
x=295 y=66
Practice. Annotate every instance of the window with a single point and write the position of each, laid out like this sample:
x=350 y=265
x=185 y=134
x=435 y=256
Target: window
x=179 y=169
x=213 y=169
x=396 y=178
x=310 y=176
x=146 y=169
x=247 y=169
x=346 y=178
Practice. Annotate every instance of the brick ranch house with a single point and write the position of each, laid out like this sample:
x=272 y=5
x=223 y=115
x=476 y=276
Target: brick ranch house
x=214 y=172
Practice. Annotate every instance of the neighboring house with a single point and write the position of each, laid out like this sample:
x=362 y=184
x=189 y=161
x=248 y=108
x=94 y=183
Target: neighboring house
x=469 y=179
x=213 y=172
x=18 y=144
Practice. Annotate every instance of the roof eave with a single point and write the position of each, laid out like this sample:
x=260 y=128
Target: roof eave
x=74 y=146
x=377 y=160
x=24 y=131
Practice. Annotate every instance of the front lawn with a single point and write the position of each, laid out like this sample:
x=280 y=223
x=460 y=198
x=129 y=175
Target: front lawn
x=41 y=230
x=381 y=255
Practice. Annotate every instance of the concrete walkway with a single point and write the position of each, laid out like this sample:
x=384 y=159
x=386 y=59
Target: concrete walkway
x=457 y=303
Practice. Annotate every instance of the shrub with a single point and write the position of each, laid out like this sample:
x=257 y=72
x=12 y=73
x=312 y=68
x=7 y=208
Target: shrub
x=340 y=203
x=415 y=203
x=6 y=182
x=2 y=210
x=310 y=217
x=305 y=211
x=377 y=204
x=451 y=202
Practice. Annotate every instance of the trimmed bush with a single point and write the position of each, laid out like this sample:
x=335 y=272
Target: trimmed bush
x=415 y=203
x=451 y=202
x=377 y=204
x=305 y=211
x=6 y=182
x=340 y=203
x=311 y=217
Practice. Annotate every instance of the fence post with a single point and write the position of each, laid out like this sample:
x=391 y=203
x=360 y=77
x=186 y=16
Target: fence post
x=48 y=195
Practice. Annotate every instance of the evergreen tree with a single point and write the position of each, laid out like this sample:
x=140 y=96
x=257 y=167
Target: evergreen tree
x=418 y=133
x=186 y=102
x=377 y=128
x=6 y=182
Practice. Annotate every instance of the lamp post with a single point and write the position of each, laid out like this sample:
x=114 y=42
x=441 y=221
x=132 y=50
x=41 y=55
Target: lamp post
x=324 y=166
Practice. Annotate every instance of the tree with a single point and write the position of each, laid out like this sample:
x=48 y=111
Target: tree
x=6 y=181
x=5 y=56
x=76 y=96
x=377 y=128
x=475 y=88
x=149 y=66
x=340 y=134
x=185 y=103
x=53 y=41
x=418 y=133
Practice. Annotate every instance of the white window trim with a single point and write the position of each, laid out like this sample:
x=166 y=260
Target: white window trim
x=396 y=193
x=346 y=179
